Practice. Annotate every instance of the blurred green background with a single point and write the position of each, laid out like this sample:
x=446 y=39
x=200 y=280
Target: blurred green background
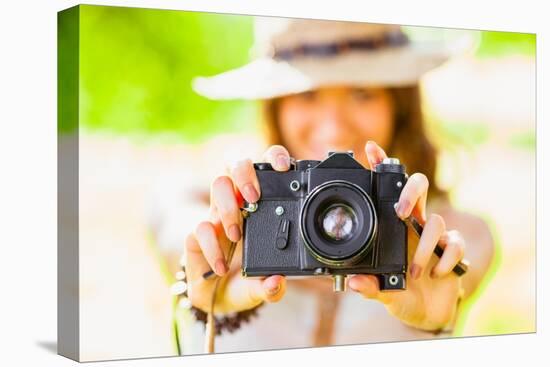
x=136 y=67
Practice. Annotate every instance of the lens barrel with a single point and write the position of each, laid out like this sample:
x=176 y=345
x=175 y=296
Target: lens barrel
x=338 y=223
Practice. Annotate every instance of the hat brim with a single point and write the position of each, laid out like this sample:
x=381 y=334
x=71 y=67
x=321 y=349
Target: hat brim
x=267 y=78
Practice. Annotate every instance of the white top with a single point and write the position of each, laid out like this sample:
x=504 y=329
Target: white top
x=290 y=323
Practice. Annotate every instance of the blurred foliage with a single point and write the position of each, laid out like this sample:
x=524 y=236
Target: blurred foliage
x=495 y=44
x=136 y=68
x=465 y=134
x=525 y=140
x=67 y=70
x=468 y=304
x=489 y=43
x=500 y=322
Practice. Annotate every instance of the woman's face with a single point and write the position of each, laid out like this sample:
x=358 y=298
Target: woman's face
x=336 y=119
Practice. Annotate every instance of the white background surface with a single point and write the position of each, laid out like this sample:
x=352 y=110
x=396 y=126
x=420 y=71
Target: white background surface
x=28 y=182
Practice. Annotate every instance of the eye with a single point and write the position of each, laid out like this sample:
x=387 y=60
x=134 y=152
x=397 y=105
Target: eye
x=362 y=94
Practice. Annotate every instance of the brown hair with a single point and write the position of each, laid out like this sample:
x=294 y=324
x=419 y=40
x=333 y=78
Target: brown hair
x=409 y=142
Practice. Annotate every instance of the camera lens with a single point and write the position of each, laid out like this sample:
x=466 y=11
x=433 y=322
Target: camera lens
x=339 y=222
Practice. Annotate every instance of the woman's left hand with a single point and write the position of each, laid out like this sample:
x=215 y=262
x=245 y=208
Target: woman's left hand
x=430 y=300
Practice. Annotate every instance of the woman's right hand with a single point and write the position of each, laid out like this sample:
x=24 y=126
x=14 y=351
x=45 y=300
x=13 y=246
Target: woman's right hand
x=208 y=246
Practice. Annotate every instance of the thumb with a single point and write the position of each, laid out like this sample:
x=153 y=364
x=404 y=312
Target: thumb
x=270 y=289
x=368 y=287
x=244 y=293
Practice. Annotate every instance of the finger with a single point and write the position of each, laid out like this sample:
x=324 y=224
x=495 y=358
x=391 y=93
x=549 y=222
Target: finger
x=433 y=230
x=368 y=287
x=205 y=234
x=403 y=305
x=244 y=177
x=225 y=201
x=195 y=266
x=270 y=289
x=244 y=293
x=194 y=260
x=375 y=154
x=453 y=253
x=413 y=197
x=278 y=157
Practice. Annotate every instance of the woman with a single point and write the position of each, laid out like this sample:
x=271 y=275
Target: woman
x=338 y=86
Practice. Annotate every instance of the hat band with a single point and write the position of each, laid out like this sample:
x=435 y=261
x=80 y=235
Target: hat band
x=392 y=39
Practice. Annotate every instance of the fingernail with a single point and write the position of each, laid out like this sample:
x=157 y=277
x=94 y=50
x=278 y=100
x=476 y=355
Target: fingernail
x=273 y=291
x=353 y=285
x=415 y=271
x=282 y=161
x=220 y=266
x=234 y=233
x=250 y=193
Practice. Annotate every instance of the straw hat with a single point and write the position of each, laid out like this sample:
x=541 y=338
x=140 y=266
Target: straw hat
x=297 y=55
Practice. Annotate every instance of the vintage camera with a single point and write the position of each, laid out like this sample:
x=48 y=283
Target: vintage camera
x=331 y=217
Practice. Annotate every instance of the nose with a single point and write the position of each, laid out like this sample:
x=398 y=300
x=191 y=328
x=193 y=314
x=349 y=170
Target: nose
x=331 y=124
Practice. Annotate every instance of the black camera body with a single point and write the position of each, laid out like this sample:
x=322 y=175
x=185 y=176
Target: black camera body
x=331 y=217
